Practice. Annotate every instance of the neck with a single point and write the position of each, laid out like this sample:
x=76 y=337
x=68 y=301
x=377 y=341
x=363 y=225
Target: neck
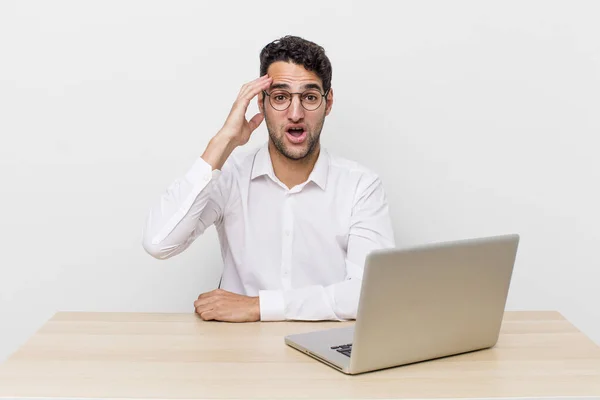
x=292 y=172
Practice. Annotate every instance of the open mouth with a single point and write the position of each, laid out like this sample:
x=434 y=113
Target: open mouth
x=296 y=135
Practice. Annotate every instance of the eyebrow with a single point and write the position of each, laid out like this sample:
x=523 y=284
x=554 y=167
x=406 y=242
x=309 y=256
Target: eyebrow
x=286 y=86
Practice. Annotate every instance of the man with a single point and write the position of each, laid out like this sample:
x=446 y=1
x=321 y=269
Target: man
x=295 y=223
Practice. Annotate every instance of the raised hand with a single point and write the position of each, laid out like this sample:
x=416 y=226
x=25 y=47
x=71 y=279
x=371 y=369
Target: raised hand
x=236 y=130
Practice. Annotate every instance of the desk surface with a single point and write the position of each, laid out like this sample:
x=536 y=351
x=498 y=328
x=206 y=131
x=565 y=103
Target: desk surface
x=125 y=355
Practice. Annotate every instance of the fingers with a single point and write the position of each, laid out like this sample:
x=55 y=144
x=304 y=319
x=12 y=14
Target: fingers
x=212 y=307
x=208 y=301
x=236 y=124
x=222 y=305
x=203 y=303
x=256 y=85
x=208 y=315
x=251 y=89
x=201 y=311
x=211 y=293
x=246 y=85
x=255 y=121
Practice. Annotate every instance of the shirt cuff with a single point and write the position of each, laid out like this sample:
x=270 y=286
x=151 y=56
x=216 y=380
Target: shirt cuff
x=201 y=172
x=272 y=305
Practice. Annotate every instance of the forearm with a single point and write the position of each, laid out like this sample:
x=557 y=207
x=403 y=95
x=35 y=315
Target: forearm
x=370 y=229
x=335 y=302
x=218 y=150
x=182 y=212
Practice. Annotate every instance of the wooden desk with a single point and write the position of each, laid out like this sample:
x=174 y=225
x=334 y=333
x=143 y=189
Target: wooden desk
x=124 y=355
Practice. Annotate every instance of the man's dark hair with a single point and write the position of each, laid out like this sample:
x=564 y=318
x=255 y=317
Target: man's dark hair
x=298 y=51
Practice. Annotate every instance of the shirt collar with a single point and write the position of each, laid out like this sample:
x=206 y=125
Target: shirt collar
x=262 y=163
x=321 y=169
x=263 y=166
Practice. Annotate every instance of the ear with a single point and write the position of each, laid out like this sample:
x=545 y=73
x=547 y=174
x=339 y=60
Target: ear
x=259 y=99
x=329 y=101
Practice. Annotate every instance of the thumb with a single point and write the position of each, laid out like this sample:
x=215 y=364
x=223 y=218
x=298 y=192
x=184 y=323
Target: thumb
x=255 y=121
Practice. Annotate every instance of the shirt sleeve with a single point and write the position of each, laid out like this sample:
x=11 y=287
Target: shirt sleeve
x=184 y=211
x=370 y=229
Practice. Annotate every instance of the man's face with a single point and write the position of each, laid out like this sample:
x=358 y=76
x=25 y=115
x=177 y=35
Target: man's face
x=295 y=131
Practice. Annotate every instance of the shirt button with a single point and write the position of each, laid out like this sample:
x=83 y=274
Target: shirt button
x=287 y=232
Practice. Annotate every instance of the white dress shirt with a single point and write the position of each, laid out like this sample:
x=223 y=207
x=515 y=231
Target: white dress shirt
x=301 y=250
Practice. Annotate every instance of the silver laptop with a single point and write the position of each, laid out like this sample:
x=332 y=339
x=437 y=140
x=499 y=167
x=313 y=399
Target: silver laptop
x=421 y=303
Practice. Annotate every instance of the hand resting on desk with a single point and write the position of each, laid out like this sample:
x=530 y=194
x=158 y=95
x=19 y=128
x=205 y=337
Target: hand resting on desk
x=221 y=305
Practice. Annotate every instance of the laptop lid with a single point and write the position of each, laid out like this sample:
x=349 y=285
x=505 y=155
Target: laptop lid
x=431 y=301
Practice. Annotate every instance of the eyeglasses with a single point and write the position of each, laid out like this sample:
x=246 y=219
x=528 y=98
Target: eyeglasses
x=281 y=99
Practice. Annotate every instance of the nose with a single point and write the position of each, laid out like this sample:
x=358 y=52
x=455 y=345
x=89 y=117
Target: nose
x=296 y=111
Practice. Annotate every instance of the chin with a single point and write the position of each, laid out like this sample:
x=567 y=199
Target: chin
x=293 y=151
x=297 y=155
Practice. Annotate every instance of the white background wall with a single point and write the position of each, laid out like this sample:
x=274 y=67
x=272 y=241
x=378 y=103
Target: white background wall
x=481 y=118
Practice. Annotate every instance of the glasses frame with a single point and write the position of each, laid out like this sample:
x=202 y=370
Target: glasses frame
x=323 y=97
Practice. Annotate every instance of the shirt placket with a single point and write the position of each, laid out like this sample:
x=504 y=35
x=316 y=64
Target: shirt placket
x=287 y=238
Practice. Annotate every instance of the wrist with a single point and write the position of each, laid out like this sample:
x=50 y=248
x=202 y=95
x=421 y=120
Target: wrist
x=256 y=308
x=218 y=150
x=227 y=138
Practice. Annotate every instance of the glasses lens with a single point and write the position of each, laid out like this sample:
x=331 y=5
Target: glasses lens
x=311 y=100
x=280 y=99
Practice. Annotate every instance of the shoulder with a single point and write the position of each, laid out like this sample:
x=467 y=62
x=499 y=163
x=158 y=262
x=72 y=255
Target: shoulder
x=349 y=170
x=240 y=161
x=361 y=183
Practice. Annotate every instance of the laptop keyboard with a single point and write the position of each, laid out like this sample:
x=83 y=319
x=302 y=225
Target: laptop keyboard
x=345 y=349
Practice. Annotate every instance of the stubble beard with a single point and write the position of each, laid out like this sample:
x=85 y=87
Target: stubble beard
x=312 y=139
